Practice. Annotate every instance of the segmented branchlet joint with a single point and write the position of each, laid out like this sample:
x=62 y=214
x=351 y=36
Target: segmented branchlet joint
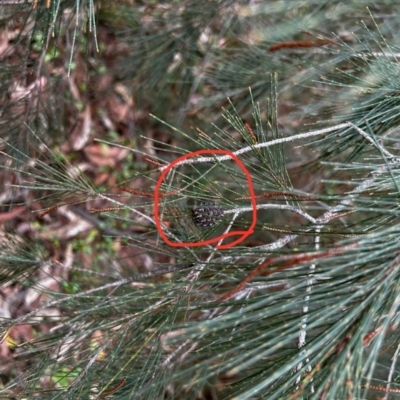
x=207 y=214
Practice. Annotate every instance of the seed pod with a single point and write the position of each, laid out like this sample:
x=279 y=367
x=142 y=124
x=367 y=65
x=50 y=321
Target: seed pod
x=207 y=214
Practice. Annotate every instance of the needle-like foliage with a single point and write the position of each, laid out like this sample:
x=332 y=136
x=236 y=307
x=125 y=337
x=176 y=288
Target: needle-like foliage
x=105 y=294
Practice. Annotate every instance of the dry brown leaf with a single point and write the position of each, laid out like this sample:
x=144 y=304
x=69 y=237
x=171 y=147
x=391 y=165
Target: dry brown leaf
x=119 y=111
x=104 y=156
x=81 y=135
x=7 y=216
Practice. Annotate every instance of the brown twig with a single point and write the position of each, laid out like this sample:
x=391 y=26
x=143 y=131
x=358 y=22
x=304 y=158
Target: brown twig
x=288 y=261
x=154 y=162
x=101 y=210
x=51 y=209
x=382 y=388
x=115 y=388
x=138 y=192
x=250 y=132
x=341 y=215
x=300 y=44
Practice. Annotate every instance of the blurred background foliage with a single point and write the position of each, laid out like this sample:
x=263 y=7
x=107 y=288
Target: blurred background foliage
x=94 y=95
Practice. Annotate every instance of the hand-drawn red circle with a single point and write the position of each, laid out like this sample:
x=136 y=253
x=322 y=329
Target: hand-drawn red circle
x=204 y=242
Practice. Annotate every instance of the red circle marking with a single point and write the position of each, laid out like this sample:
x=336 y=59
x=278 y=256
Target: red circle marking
x=243 y=234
